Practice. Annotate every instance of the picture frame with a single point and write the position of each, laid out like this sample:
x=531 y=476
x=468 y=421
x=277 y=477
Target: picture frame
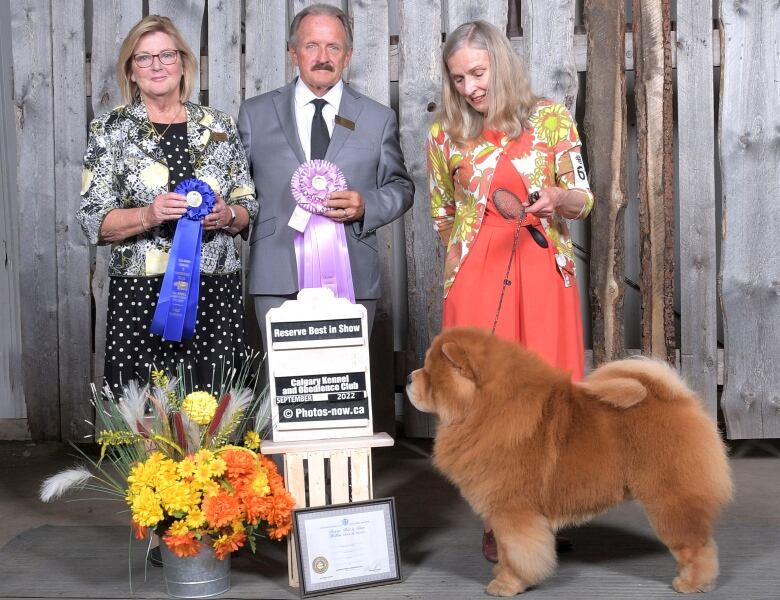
x=343 y=547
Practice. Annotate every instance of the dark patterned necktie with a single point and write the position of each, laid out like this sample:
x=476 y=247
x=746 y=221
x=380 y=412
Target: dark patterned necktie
x=320 y=138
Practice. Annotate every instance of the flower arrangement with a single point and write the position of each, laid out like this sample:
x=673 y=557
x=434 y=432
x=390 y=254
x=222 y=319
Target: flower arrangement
x=186 y=464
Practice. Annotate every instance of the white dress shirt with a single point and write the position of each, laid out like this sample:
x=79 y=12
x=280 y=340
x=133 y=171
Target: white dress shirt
x=304 y=111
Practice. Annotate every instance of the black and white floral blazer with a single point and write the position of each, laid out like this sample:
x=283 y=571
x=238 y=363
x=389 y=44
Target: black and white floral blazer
x=124 y=167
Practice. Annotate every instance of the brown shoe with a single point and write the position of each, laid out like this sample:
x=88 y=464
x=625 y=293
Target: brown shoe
x=489 y=547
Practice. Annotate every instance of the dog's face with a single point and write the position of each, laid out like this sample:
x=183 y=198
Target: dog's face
x=447 y=383
x=472 y=375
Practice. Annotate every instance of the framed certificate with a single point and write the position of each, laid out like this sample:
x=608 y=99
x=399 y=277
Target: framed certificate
x=346 y=546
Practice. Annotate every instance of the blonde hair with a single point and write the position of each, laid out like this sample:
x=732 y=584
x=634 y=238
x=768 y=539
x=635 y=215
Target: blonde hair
x=124 y=64
x=510 y=100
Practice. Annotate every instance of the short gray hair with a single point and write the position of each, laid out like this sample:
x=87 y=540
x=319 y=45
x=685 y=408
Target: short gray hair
x=319 y=9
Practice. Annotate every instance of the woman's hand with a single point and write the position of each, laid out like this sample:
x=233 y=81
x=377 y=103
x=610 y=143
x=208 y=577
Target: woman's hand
x=219 y=217
x=567 y=203
x=169 y=206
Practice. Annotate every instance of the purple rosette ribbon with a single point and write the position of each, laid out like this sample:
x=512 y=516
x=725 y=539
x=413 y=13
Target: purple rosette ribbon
x=320 y=243
x=177 y=307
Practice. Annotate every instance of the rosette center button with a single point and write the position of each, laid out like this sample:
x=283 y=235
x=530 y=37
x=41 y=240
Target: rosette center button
x=194 y=199
x=319 y=183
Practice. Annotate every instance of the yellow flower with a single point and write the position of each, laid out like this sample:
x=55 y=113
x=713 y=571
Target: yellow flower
x=551 y=123
x=260 y=484
x=178 y=528
x=252 y=440
x=195 y=519
x=186 y=467
x=146 y=508
x=179 y=497
x=200 y=407
x=210 y=488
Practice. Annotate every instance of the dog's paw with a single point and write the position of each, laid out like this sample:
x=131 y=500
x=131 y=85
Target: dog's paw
x=504 y=589
x=685 y=586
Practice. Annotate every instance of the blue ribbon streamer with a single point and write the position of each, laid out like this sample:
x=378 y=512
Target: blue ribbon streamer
x=177 y=307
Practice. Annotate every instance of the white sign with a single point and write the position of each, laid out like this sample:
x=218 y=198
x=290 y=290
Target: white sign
x=319 y=368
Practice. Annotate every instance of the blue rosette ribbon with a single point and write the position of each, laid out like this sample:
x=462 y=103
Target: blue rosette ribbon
x=177 y=307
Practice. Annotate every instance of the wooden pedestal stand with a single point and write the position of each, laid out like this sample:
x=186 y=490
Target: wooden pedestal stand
x=323 y=472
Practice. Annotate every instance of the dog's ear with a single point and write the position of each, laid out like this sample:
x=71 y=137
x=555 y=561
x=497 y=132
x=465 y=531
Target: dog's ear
x=459 y=359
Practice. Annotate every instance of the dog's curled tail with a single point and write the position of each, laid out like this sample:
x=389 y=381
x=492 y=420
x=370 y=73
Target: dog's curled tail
x=623 y=383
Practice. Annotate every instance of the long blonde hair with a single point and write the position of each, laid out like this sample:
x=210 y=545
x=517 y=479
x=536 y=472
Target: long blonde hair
x=510 y=100
x=124 y=64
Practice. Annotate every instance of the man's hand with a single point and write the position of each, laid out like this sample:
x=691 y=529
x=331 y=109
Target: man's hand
x=345 y=206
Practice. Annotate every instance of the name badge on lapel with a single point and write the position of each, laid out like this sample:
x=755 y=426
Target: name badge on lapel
x=344 y=122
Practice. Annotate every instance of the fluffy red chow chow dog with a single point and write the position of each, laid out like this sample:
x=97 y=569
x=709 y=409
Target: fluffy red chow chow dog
x=531 y=451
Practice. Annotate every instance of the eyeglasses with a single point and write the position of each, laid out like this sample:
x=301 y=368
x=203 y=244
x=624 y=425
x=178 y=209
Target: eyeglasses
x=167 y=57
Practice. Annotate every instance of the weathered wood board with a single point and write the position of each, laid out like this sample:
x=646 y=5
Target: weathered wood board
x=12 y=406
x=419 y=83
x=73 y=255
x=654 y=109
x=224 y=58
x=698 y=232
x=548 y=49
x=605 y=129
x=750 y=257
x=33 y=96
x=112 y=20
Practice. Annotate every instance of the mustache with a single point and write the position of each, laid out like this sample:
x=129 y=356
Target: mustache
x=323 y=67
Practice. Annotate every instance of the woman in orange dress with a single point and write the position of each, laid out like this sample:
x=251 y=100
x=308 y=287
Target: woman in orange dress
x=494 y=140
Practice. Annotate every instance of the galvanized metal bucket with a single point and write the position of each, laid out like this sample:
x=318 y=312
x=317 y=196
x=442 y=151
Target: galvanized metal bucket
x=200 y=576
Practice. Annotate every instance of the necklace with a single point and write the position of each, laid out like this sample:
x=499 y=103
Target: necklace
x=164 y=131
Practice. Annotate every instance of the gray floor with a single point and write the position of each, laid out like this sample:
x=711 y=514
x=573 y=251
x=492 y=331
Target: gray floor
x=79 y=549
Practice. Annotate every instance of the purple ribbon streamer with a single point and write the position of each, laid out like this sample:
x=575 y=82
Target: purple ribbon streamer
x=321 y=249
x=323 y=258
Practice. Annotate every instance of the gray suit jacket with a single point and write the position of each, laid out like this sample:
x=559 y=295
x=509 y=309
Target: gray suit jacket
x=370 y=158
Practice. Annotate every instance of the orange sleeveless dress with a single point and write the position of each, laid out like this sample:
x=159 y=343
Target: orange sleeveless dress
x=537 y=310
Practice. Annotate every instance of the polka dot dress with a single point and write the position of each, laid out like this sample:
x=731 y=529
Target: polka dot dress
x=174 y=146
x=133 y=351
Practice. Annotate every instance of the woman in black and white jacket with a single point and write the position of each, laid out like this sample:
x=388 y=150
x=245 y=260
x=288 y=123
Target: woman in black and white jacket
x=136 y=155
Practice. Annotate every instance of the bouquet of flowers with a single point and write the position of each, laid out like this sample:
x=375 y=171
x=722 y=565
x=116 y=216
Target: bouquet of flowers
x=186 y=464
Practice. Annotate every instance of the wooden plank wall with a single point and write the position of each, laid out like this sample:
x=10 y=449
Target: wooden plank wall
x=369 y=74
x=653 y=93
x=419 y=79
x=698 y=232
x=605 y=129
x=112 y=20
x=750 y=265
x=49 y=41
x=13 y=422
x=33 y=95
x=70 y=137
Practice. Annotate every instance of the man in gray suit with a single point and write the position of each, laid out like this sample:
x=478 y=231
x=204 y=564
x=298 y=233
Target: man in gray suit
x=284 y=128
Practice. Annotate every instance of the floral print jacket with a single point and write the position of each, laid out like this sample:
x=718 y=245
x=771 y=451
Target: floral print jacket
x=460 y=177
x=124 y=167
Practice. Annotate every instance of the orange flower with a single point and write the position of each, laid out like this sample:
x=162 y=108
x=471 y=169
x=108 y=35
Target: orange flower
x=221 y=509
x=182 y=545
x=278 y=533
x=241 y=465
x=253 y=506
x=227 y=543
x=139 y=531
